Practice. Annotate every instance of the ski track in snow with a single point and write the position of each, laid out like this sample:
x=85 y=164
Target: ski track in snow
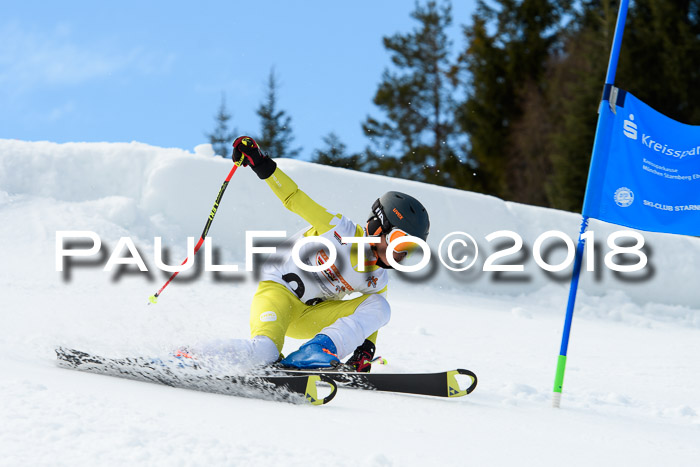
x=631 y=392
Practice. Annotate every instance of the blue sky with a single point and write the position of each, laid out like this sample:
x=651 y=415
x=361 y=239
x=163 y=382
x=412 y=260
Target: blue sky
x=154 y=72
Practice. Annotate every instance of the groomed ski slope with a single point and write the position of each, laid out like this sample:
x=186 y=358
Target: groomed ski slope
x=632 y=387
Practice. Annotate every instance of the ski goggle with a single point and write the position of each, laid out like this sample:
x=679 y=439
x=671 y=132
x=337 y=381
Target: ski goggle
x=374 y=229
x=395 y=234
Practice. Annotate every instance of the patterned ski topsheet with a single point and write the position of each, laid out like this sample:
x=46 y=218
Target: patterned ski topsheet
x=286 y=388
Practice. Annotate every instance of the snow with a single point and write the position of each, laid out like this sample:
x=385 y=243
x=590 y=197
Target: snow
x=631 y=389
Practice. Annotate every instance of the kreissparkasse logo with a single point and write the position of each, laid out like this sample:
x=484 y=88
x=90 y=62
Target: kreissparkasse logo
x=630 y=130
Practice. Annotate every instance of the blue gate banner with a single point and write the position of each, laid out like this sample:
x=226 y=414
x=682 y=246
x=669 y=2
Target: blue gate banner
x=645 y=171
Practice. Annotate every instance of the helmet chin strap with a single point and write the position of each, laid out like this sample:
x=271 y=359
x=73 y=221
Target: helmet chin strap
x=382 y=264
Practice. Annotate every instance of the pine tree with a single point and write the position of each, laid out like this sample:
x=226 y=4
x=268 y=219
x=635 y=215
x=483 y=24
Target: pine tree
x=660 y=56
x=276 y=135
x=576 y=78
x=334 y=154
x=221 y=138
x=509 y=45
x=417 y=139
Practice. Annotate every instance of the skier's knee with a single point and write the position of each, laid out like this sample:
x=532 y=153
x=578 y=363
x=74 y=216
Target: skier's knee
x=379 y=306
x=264 y=350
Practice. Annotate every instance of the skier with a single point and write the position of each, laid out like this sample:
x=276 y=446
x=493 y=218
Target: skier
x=308 y=305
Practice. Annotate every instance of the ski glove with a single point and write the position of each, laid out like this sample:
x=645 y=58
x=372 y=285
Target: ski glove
x=362 y=358
x=247 y=152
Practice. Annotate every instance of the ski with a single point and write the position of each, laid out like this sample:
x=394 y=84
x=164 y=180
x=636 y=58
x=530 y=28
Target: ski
x=286 y=388
x=441 y=384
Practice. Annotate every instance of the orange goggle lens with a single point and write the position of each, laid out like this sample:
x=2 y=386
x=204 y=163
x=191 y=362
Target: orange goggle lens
x=404 y=246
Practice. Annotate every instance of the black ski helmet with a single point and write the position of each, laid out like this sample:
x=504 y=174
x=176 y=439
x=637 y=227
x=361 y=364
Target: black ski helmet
x=396 y=209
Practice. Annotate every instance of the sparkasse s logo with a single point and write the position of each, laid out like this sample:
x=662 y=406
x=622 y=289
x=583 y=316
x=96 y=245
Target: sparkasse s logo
x=629 y=128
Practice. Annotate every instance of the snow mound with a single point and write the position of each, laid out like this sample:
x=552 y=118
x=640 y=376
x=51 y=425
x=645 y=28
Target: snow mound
x=142 y=191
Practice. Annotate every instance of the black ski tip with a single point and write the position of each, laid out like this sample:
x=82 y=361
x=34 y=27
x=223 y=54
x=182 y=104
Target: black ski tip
x=334 y=388
x=453 y=387
x=472 y=375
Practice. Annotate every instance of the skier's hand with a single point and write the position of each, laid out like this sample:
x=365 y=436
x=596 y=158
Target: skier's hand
x=247 y=153
x=361 y=359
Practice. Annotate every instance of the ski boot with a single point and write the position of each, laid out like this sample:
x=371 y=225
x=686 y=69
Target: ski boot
x=319 y=352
